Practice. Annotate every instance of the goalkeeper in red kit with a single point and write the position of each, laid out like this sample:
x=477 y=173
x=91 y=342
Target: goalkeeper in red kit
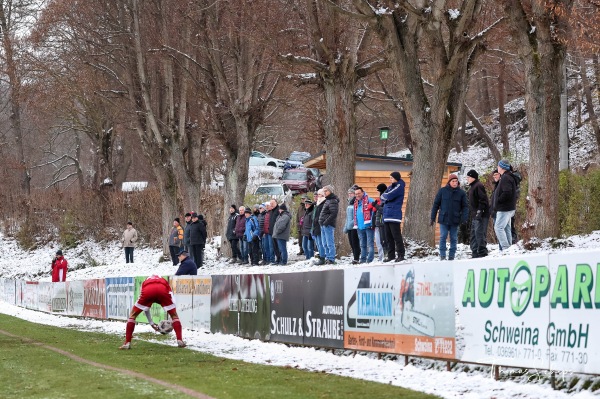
x=155 y=289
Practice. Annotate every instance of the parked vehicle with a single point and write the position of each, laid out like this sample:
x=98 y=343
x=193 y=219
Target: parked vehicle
x=259 y=159
x=296 y=160
x=299 y=180
x=276 y=191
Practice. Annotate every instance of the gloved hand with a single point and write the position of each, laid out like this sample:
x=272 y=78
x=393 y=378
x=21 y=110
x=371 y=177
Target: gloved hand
x=154 y=327
x=431 y=223
x=478 y=215
x=254 y=238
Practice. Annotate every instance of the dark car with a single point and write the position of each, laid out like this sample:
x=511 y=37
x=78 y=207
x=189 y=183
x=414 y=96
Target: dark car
x=299 y=180
x=296 y=160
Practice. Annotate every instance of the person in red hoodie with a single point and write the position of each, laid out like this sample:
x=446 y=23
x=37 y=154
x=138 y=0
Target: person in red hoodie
x=59 y=267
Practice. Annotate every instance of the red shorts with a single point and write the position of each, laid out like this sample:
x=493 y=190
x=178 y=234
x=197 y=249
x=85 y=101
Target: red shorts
x=155 y=290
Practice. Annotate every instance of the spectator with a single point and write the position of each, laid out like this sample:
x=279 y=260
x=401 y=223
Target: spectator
x=186 y=231
x=378 y=222
x=175 y=241
x=155 y=289
x=188 y=266
x=505 y=203
x=197 y=239
x=392 y=199
x=251 y=236
x=363 y=218
x=327 y=220
x=261 y=230
x=276 y=258
x=307 y=240
x=59 y=267
x=267 y=237
x=128 y=239
x=350 y=229
x=479 y=215
x=281 y=233
x=240 y=229
x=316 y=227
x=451 y=202
x=299 y=215
x=496 y=179
x=236 y=256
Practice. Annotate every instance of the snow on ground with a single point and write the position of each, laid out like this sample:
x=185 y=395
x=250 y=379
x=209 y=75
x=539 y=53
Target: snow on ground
x=93 y=260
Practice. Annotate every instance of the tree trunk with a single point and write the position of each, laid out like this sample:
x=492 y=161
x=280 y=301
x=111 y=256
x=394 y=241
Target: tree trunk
x=501 y=113
x=578 y=97
x=587 y=91
x=485 y=93
x=14 y=99
x=340 y=140
x=544 y=58
x=463 y=136
x=563 y=156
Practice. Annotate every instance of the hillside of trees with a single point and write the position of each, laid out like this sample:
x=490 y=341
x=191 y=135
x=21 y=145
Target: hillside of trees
x=178 y=94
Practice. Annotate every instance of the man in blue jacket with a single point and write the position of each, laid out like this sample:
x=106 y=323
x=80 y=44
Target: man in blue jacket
x=392 y=199
x=451 y=202
x=187 y=267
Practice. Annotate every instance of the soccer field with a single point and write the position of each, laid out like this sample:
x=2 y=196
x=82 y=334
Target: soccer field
x=39 y=361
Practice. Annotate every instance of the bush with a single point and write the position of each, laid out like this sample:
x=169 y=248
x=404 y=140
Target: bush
x=578 y=213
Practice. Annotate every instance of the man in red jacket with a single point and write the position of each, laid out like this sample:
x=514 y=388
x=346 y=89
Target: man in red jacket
x=59 y=267
x=155 y=289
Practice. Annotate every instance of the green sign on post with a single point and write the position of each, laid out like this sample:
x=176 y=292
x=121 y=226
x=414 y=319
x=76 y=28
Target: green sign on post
x=383 y=132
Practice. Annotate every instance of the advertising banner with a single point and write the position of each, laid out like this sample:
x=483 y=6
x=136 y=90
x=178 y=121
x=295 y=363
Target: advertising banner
x=30 y=294
x=572 y=285
x=503 y=310
x=253 y=305
x=75 y=290
x=156 y=310
x=424 y=311
x=59 y=297
x=183 y=290
x=324 y=308
x=287 y=307
x=201 y=302
x=20 y=293
x=119 y=297
x=223 y=314
x=370 y=299
x=94 y=298
x=10 y=291
x=45 y=296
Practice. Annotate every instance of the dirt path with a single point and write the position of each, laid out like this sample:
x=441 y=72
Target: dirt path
x=182 y=389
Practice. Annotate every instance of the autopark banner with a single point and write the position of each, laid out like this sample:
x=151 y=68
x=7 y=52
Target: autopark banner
x=503 y=310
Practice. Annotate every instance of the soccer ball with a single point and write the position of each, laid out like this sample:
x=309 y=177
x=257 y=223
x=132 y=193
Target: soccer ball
x=165 y=326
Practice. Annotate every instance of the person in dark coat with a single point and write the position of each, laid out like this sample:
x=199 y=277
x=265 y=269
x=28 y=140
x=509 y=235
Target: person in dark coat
x=267 y=237
x=380 y=241
x=262 y=212
x=392 y=199
x=316 y=227
x=451 y=203
x=298 y=217
x=251 y=236
x=505 y=204
x=240 y=229
x=479 y=215
x=281 y=233
x=327 y=220
x=197 y=238
x=236 y=255
x=307 y=240
x=187 y=267
x=273 y=217
x=186 y=231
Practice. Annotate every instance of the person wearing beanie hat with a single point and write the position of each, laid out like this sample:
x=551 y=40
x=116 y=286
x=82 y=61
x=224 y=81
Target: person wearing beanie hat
x=479 y=215
x=251 y=236
x=505 y=204
x=240 y=229
x=230 y=236
x=59 y=267
x=451 y=203
x=308 y=244
x=248 y=211
x=281 y=233
x=381 y=187
x=504 y=164
x=380 y=239
x=128 y=240
x=328 y=221
x=299 y=214
x=349 y=227
x=197 y=239
x=175 y=241
x=392 y=200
